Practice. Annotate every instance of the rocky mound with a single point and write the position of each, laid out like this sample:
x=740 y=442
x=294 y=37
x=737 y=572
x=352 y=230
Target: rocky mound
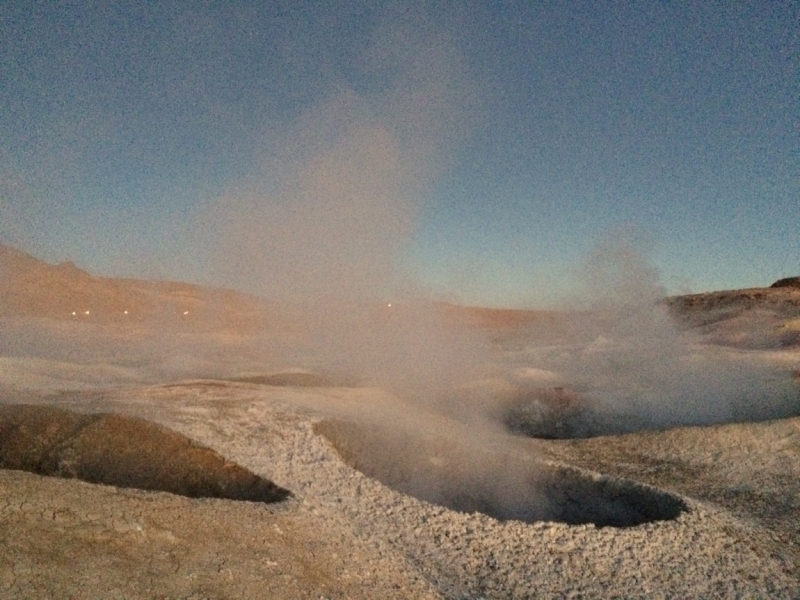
x=122 y=451
x=791 y=282
x=750 y=318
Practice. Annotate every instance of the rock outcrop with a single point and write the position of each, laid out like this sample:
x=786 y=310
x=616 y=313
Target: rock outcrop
x=792 y=282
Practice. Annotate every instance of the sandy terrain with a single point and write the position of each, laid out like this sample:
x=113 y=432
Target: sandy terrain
x=390 y=497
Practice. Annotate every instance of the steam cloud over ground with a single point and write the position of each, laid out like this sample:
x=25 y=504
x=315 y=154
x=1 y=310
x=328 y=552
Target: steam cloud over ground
x=323 y=227
x=399 y=442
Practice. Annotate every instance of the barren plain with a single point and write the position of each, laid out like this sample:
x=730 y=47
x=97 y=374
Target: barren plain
x=649 y=452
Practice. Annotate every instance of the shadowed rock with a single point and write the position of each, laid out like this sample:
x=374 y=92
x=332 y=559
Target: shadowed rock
x=793 y=282
x=122 y=451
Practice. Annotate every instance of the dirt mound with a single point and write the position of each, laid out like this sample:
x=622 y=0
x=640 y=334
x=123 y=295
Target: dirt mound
x=792 y=282
x=122 y=451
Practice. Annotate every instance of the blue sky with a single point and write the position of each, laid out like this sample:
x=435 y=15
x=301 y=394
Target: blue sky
x=504 y=141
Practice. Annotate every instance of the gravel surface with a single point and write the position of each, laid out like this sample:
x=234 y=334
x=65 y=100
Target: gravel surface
x=392 y=499
x=346 y=535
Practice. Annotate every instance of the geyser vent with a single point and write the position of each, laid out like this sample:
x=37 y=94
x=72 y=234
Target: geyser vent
x=504 y=486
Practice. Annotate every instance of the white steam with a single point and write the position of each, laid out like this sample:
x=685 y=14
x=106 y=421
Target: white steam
x=323 y=226
x=632 y=366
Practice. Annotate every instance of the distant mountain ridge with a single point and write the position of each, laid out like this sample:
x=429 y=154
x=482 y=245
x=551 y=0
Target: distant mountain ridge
x=793 y=282
x=31 y=287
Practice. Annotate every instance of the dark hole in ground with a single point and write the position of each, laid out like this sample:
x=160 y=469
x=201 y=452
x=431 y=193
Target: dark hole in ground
x=561 y=413
x=506 y=487
x=122 y=451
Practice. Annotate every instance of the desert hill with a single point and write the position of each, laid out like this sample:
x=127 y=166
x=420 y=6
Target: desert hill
x=793 y=282
x=31 y=287
x=750 y=318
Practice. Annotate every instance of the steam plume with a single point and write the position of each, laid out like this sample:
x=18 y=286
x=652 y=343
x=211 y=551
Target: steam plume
x=323 y=225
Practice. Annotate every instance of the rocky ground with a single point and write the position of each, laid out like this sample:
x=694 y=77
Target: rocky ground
x=346 y=535
x=174 y=415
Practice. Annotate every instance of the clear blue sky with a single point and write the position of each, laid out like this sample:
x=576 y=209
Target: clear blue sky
x=485 y=148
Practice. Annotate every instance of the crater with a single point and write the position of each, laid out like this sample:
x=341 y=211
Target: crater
x=502 y=485
x=548 y=413
x=122 y=451
x=562 y=413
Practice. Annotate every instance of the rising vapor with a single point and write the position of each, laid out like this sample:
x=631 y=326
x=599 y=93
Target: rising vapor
x=323 y=226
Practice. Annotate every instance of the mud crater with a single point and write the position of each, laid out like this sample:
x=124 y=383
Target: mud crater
x=122 y=451
x=504 y=486
x=562 y=413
